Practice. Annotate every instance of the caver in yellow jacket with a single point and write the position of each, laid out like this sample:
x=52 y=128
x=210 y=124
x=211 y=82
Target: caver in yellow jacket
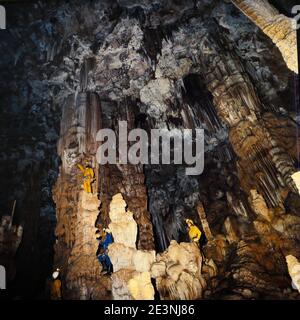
x=194 y=232
x=88 y=176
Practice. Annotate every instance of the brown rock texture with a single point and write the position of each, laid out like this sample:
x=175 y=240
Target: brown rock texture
x=157 y=65
x=181 y=273
x=279 y=28
x=10 y=239
x=238 y=104
x=77 y=210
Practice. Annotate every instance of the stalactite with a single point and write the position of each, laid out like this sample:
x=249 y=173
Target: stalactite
x=259 y=206
x=279 y=28
x=238 y=105
x=231 y=235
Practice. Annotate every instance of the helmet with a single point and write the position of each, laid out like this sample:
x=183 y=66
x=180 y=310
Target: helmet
x=55 y=274
x=189 y=221
x=87 y=163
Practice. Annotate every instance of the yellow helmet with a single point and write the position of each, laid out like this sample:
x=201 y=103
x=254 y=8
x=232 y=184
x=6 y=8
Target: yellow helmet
x=189 y=221
x=87 y=162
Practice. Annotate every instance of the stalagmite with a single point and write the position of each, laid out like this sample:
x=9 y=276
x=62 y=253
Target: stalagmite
x=122 y=226
x=178 y=272
x=130 y=181
x=83 y=261
x=131 y=277
x=140 y=287
x=281 y=29
x=294 y=270
x=204 y=222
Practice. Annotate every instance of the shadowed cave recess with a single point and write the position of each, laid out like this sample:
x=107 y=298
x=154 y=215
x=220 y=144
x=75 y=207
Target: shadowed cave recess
x=70 y=68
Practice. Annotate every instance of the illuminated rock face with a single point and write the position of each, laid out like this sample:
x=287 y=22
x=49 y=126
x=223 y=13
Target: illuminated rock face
x=132 y=285
x=179 y=272
x=296 y=179
x=141 y=287
x=77 y=211
x=84 y=270
x=131 y=277
x=122 y=226
x=294 y=270
x=281 y=29
x=259 y=150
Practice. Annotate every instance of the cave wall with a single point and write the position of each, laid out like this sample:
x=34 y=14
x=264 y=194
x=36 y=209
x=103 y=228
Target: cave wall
x=164 y=64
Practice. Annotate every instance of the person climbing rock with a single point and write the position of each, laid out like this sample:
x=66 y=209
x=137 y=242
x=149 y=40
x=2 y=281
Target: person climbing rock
x=194 y=232
x=56 y=293
x=105 y=239
x=88 y=176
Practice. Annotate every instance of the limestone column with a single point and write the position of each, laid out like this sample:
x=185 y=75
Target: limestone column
x=131 y=267
x=76 y=210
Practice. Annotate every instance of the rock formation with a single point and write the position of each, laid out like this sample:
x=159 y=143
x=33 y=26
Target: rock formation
x=294 y=270
x=84 y=269
x=296 y=178
x=122 y=226
x=281 y=29
x=259 y=206
x=131 y=277
x=10 y=239
x=77 y=210
x=231 y=235
x=180 y=272
x=202 y=64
